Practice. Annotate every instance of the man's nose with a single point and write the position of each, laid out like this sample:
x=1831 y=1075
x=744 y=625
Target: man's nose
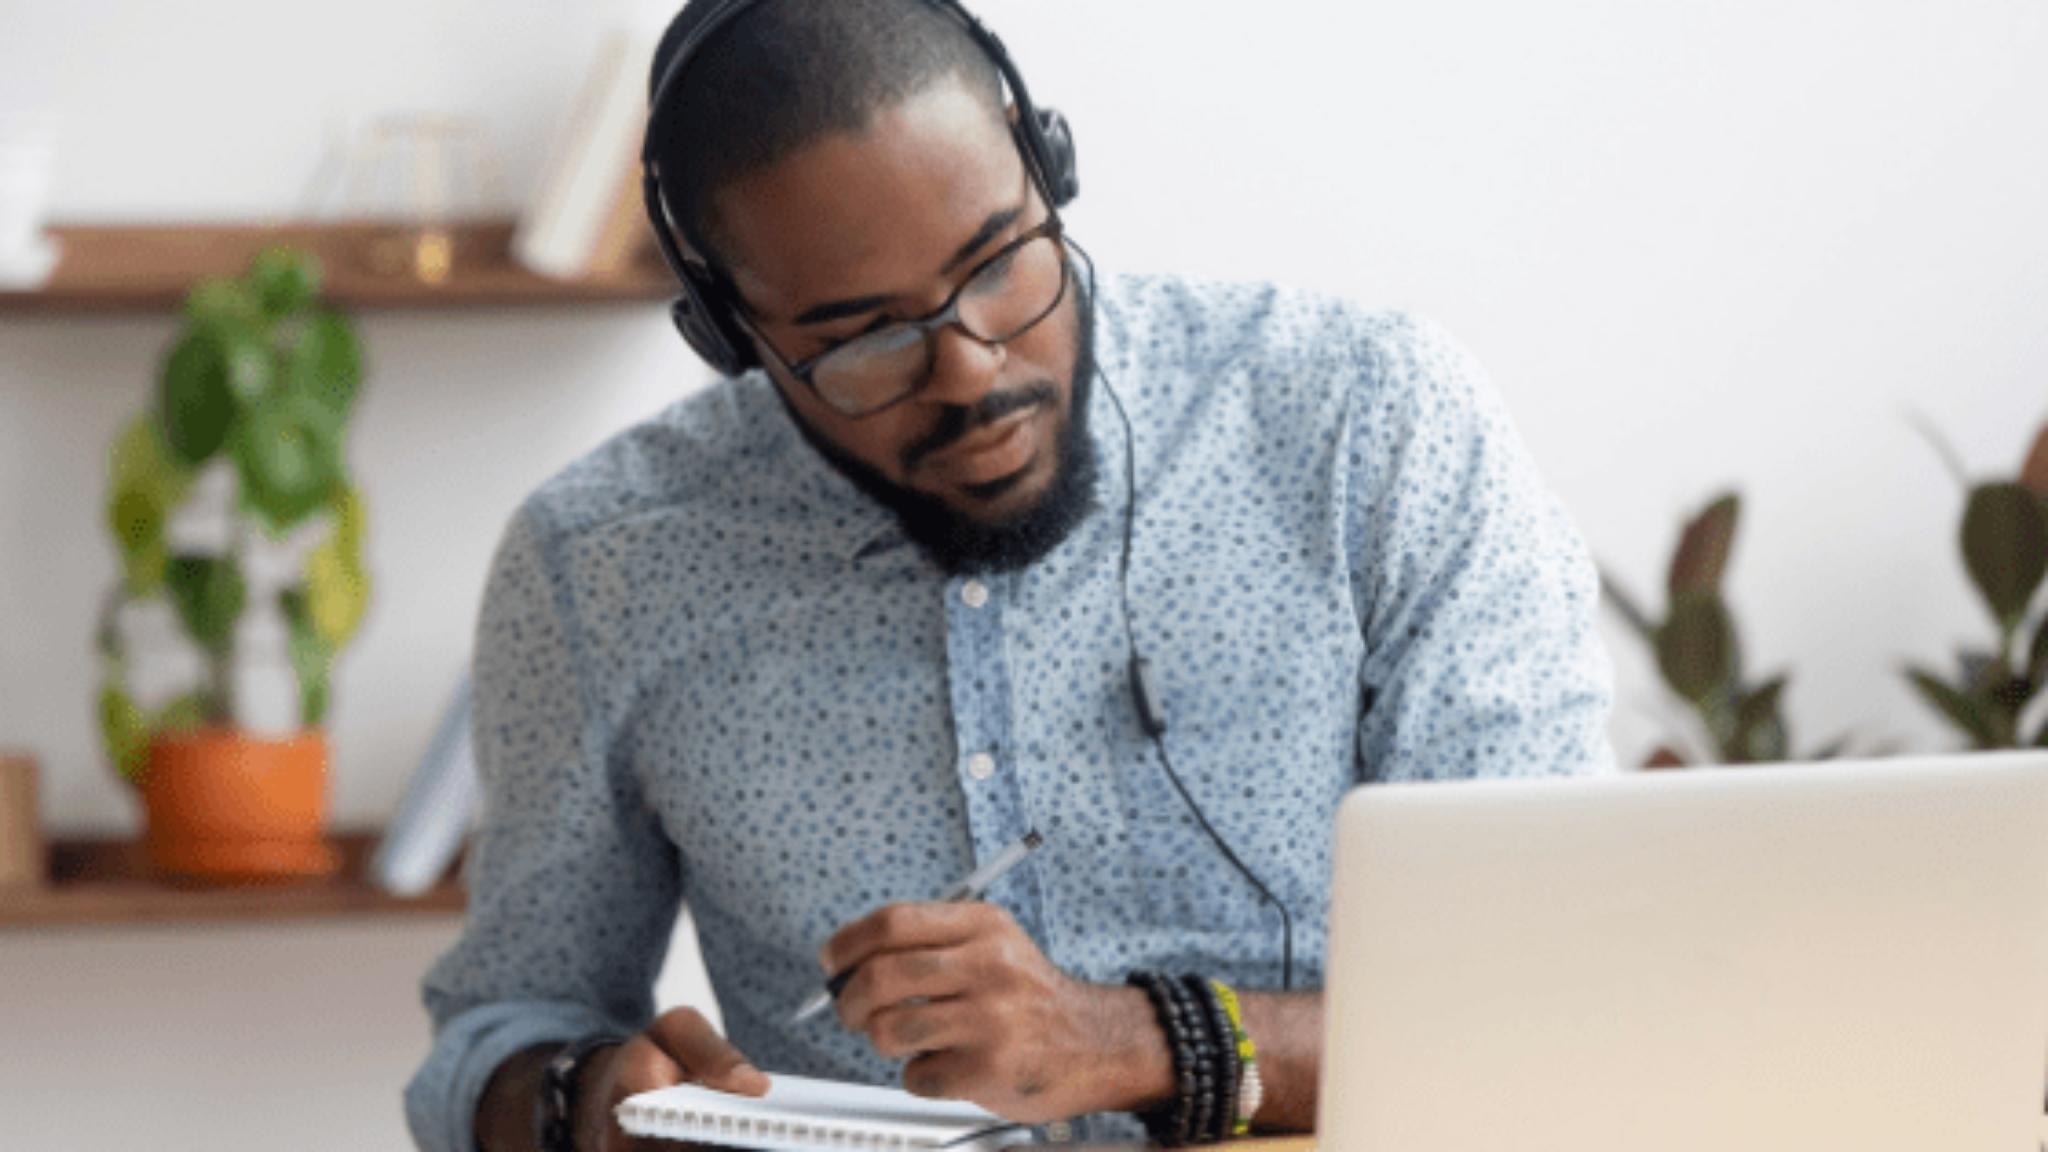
x=963 y=369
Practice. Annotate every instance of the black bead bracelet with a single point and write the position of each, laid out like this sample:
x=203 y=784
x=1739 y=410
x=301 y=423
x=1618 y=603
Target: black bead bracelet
x=1206 y=1067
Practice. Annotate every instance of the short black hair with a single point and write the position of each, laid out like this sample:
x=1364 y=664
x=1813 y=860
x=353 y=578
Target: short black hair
x=786 y=74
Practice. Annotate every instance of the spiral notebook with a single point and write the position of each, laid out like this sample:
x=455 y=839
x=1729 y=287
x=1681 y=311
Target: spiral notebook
x=803 y=1115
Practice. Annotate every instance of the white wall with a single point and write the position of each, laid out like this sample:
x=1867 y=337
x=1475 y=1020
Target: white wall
x=1697 y=244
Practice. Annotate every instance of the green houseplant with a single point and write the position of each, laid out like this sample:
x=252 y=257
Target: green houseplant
x=259 y=384
x=2005 y=550
x=1699 y=653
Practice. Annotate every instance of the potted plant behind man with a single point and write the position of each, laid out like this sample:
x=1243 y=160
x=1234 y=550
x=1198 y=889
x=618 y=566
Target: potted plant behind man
x=1698 y=652
x=1997 y=698
x=230 y=500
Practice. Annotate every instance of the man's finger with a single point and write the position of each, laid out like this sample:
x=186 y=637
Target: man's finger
x=891 y=978
x=703 y=1056
x=896 y=927
x=641 y=1066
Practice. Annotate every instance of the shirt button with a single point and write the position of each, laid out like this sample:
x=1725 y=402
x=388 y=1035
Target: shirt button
x=1059 y=1132
x=974 y=593
x=981 y=765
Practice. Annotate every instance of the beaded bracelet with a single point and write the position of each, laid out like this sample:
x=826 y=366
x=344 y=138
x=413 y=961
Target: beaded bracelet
x=1208 y=1053
x=1228 y=1069
x=1250 y=1087
x=1171 y=1123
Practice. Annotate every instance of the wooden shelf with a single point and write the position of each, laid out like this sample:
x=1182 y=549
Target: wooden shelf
x=149 y=268
x=108 y=882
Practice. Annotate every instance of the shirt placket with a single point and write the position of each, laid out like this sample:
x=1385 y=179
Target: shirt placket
x=985 y=752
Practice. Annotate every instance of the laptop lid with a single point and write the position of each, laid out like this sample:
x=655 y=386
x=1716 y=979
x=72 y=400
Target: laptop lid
x=1847 y=956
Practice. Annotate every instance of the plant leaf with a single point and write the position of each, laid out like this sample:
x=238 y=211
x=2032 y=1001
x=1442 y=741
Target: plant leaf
x=288 y=453
x=337 y=595
x=337 y=586
x=1833 y=749
x=2005 y=544
x=1704 y=548
x=222 y=303
x=1663 y=758
x=1968 y=713
x=209 y=595
x=326 y=363
x=187 y=713
x=312 y=658
x=1946 y=451
x=147 y=486
x=2034 y=473
x=1760 y=736
x=2037 y=657
x=1626 y=607
x=284 y=281
x=124 y=733
x=2009 y=695
x=196 y=402
x=1979 y=670
x=1696 y=647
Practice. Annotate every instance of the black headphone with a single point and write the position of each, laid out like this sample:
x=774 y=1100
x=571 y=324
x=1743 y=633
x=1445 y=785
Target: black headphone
x=706 y=313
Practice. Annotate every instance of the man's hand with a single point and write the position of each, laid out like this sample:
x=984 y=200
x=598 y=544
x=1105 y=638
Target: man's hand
x=679 y=1048
x=960 y=992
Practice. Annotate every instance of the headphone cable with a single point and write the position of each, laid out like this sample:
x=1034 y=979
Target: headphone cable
x=1151 y=718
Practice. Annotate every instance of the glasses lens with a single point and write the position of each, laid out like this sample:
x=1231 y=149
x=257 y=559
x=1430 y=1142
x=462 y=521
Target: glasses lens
x=868 y=373
x=1016 y=291
x=999 y=303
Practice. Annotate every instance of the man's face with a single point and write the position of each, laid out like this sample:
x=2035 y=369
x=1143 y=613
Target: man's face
x=860 y=230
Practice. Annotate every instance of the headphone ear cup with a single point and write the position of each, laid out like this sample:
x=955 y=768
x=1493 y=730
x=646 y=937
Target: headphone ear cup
x=710 y=333
x=1062 y=172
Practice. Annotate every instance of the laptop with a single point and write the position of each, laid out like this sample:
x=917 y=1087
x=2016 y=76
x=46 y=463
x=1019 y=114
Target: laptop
x=1774 y=959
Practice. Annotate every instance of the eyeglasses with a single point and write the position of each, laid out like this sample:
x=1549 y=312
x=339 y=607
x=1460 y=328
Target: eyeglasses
x=1004 y=297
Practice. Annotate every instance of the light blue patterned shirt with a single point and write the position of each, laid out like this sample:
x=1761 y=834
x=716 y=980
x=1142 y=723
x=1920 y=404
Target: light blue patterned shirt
x=710 y=670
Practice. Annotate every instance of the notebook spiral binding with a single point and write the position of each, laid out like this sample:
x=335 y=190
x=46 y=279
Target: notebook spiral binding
x=692 y=1122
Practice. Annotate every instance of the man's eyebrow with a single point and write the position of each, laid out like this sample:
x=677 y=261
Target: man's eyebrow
x=990 y=229
x=861 y=305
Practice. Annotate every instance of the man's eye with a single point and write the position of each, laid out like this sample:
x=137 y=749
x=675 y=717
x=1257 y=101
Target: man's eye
x=835 y=343
x=999 y=269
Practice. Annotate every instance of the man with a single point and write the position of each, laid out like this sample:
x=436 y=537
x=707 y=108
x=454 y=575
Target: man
x=809 y=646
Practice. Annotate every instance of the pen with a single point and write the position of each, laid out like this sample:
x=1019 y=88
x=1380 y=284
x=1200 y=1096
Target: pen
x=973 y=887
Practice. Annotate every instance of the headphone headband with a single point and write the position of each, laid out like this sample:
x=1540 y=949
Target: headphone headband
x=704 y=314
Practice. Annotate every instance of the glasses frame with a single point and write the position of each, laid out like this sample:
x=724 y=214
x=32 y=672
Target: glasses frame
x=945 y=316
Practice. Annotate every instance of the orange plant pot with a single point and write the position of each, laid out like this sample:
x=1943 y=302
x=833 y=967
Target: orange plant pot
x=226 y=806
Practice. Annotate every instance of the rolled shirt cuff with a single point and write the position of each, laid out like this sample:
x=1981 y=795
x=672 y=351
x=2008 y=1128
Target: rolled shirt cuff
x=441 y=1099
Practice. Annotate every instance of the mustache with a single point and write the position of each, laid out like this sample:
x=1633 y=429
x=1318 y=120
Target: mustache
x=956 y=422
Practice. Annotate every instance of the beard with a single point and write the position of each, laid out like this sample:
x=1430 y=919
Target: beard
x=961 y=544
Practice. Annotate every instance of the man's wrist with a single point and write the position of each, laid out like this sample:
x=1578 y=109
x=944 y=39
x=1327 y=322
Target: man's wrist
x=563 y=1118
x=1138 y=1063
x=588 y=1104
x=504 y=1113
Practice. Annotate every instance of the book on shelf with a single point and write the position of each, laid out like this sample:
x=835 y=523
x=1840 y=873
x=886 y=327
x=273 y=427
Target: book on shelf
x=585 y=217
x=433 y=820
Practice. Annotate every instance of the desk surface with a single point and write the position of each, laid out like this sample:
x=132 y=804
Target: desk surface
x=1264 y=1144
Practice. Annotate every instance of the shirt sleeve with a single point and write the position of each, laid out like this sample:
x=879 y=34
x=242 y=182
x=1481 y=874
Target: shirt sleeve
x=573 y=885
x=1475 y=593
